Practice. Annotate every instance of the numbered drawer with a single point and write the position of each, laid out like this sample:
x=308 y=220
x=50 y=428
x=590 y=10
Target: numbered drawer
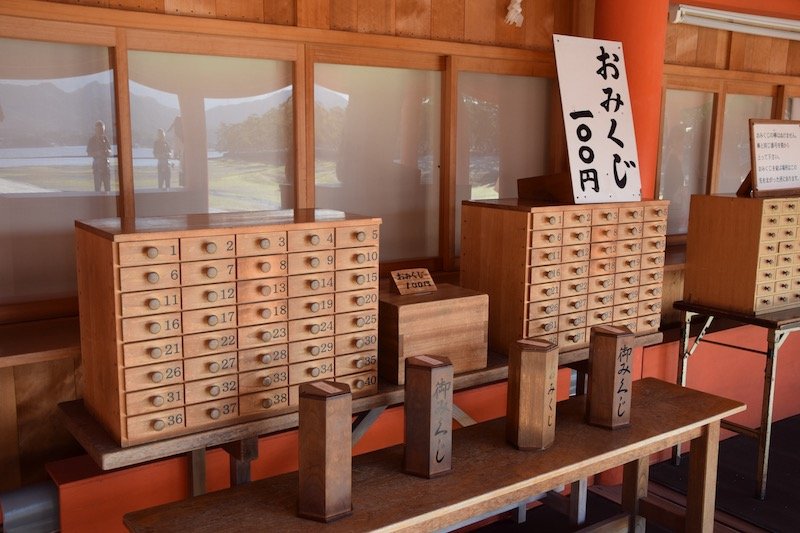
x=631 y=324
x=576 y=236
x=151 y=327
x=217 y=271
x=783 y=300
x=768 y=248
x=149 y=277
x=148 y=252
x=205 y=248
x=205 y=296
x=654 y=244
x=308 y=262
x=263 y=312
x=152 y=400
x=600 y=299
x=544 y=291
x=149 y=302
x=783 y=286
x=260 y=290
x=626 y=296
x=210 y=342
x=357 y=321
x=576 y=252
x=601 y=283
x=212 y=389
x=545 y=238
x=310 y=306
x=546 y=220
x=212 y=319
x=552 y=338
x=765 y=289
x=361 y=278
x=356 y=342
x=790 y=206
x=628 y=263
x=262 y=266
x=212 y=413
x=647 y=323
x=545 y=256
x=603 y=315
x=574 y=338
x=260 y=243
x=264 y=379
x=349 y=236
x=648 y=307
x=626 y=279
x=263 y=334
x=624 y=312
x=545 y=309
x=357 y=257
x=543 y=274
x=655 y=212
x=154 y=351
x=155 y=425
x=599 y=267
x=629 y=247
x=356 y=300
x=603 y=250
x=651 y=275
x=574 y=287
x=631 y=214
x=572 y=321
x=346 y=365
x=605 y=215
x=652 y=290
x=311 y=239
x=763 y=303
x=766 y=275
x=267 y=402
x=311 y=371
x=311 y=328
x=364 y=384
x=543 y=326
x=787 y=234
x=573 y=304
x=783 y=273
x=573 y=218
x=208 y=366
x=309 y=284
x=264 y=357
x=786 y=247
x=151 y=376
x=789 y=220
x=654 y=229
x=575 y=270
x=631 y=230
x=769 y=235
x=653 y=260
x=311 y=349
x=604 y=233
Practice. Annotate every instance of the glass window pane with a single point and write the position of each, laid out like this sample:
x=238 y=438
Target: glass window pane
x=735 y=154
x=792 y=109
x=502 y=135
x=210 y=134
x=377 y=151
x=52 y=99
x=685 y=141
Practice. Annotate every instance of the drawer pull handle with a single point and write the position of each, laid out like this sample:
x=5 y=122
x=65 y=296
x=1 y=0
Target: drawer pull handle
x=266 y=290
x=607 y=267
x=213 y=414
x=315 y=372
x=361 y=279
x=659 y=245
x=581 y=218
x=770 y=248
x=608 y=249
x=266 y=267
x=359 y=384
x=634 y=230
x=632 y=262
x=609 y=215
x=575 y=337
x=606 y=283
x=360 y=258
x=548 y=327
x=652 y=322
x=153 y=277
x=782 y=298
x=657 y=276
x=360 y=322
x=634 y=215
x=213 y=390
x=577 y=321
x=211 y=272
x=361 y=236
x=773 y=207
x=213 y=367
x=266 y=336
x=212 y=320
x=157 y=401
x=630 y=311
x=159 y=425
x=581 y=252
x=267 y=381
x=659 y=212
x=360 y=343
x=156 y=377
x=550 y=274
x=551 y=238
x=266 y=313
x=631 y=280
x=154 y=328
x=655 y=307
x=213 y=344
x=153 y=303
x=151 y=252
x=551 y=220
x=314 y=239
x=552 y=308
x=266 y=403
x=634 y=247
x=550 y=291
x=773 y=221
x=266 y=358
x=580 y=236
x=581 y=287
x=314 y=262
x=605 y=299
x=361 y=362
x=360 y=301
x=211 y=248
x=551 y=256
x=314 y=350
x=577 y=304
x=156 y=352
x=603 y=316
x=211 y=296
x=314 y=329
x=314 y=284
x=631 y=296
x=264 y=244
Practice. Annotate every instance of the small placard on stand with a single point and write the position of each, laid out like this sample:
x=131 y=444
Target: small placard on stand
x=775 y=156
x=608 y=401
x=412 y=281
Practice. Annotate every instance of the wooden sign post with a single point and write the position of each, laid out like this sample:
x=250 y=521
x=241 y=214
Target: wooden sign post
x=531 y=412
x=325 y=458
x=608 y=401
x=429 y=416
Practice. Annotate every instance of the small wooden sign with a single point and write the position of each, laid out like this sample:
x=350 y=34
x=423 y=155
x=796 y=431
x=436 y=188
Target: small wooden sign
x=412 y=281
x=775 y=155
x=531 y=412
x=608 y=401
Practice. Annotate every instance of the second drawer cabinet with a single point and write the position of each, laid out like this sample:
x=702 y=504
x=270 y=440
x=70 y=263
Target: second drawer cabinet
x=192 y=326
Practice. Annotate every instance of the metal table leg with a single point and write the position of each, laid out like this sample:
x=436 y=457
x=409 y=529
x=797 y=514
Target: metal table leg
x=683 y=359
x=774 y=341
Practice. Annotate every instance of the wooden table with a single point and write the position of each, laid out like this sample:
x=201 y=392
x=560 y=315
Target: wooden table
x=487 y=474
x=778 y=325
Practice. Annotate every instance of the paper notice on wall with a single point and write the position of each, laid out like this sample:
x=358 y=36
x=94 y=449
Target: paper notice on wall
x=775 y=148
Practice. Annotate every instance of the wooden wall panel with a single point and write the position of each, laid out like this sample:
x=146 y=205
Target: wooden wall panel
x=477 y=13
x=313 y=14
x=247 y=10
x=196 y=8
x=150 y=6
x=539 y=23
x=376 y=16
x=9 y=446
x=508 y=34
x=713 y=48
x=281 y=12
x=413 y=18
x=793 y=62
x=344 y=15
x=447 y=20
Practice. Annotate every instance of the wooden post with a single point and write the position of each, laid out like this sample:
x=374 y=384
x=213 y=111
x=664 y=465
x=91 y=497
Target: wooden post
x=608 y=402
x=325 y=451
x=429 y=416
x=531 y=411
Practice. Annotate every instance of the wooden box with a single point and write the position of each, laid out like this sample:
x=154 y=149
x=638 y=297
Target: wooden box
x=743 y=253
x=450 y=322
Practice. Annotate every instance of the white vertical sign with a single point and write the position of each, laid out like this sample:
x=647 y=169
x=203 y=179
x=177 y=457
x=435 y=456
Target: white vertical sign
x=604 y=163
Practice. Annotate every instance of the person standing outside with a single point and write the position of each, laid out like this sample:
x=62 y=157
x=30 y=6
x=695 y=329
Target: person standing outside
x=162 y=151
x=99 y=149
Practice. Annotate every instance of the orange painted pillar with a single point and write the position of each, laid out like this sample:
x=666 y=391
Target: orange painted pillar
x=641 y=26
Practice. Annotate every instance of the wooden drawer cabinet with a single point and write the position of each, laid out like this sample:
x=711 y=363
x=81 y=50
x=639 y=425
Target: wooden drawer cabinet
x=194 y=322
x=740 y=253
x=570 y=266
